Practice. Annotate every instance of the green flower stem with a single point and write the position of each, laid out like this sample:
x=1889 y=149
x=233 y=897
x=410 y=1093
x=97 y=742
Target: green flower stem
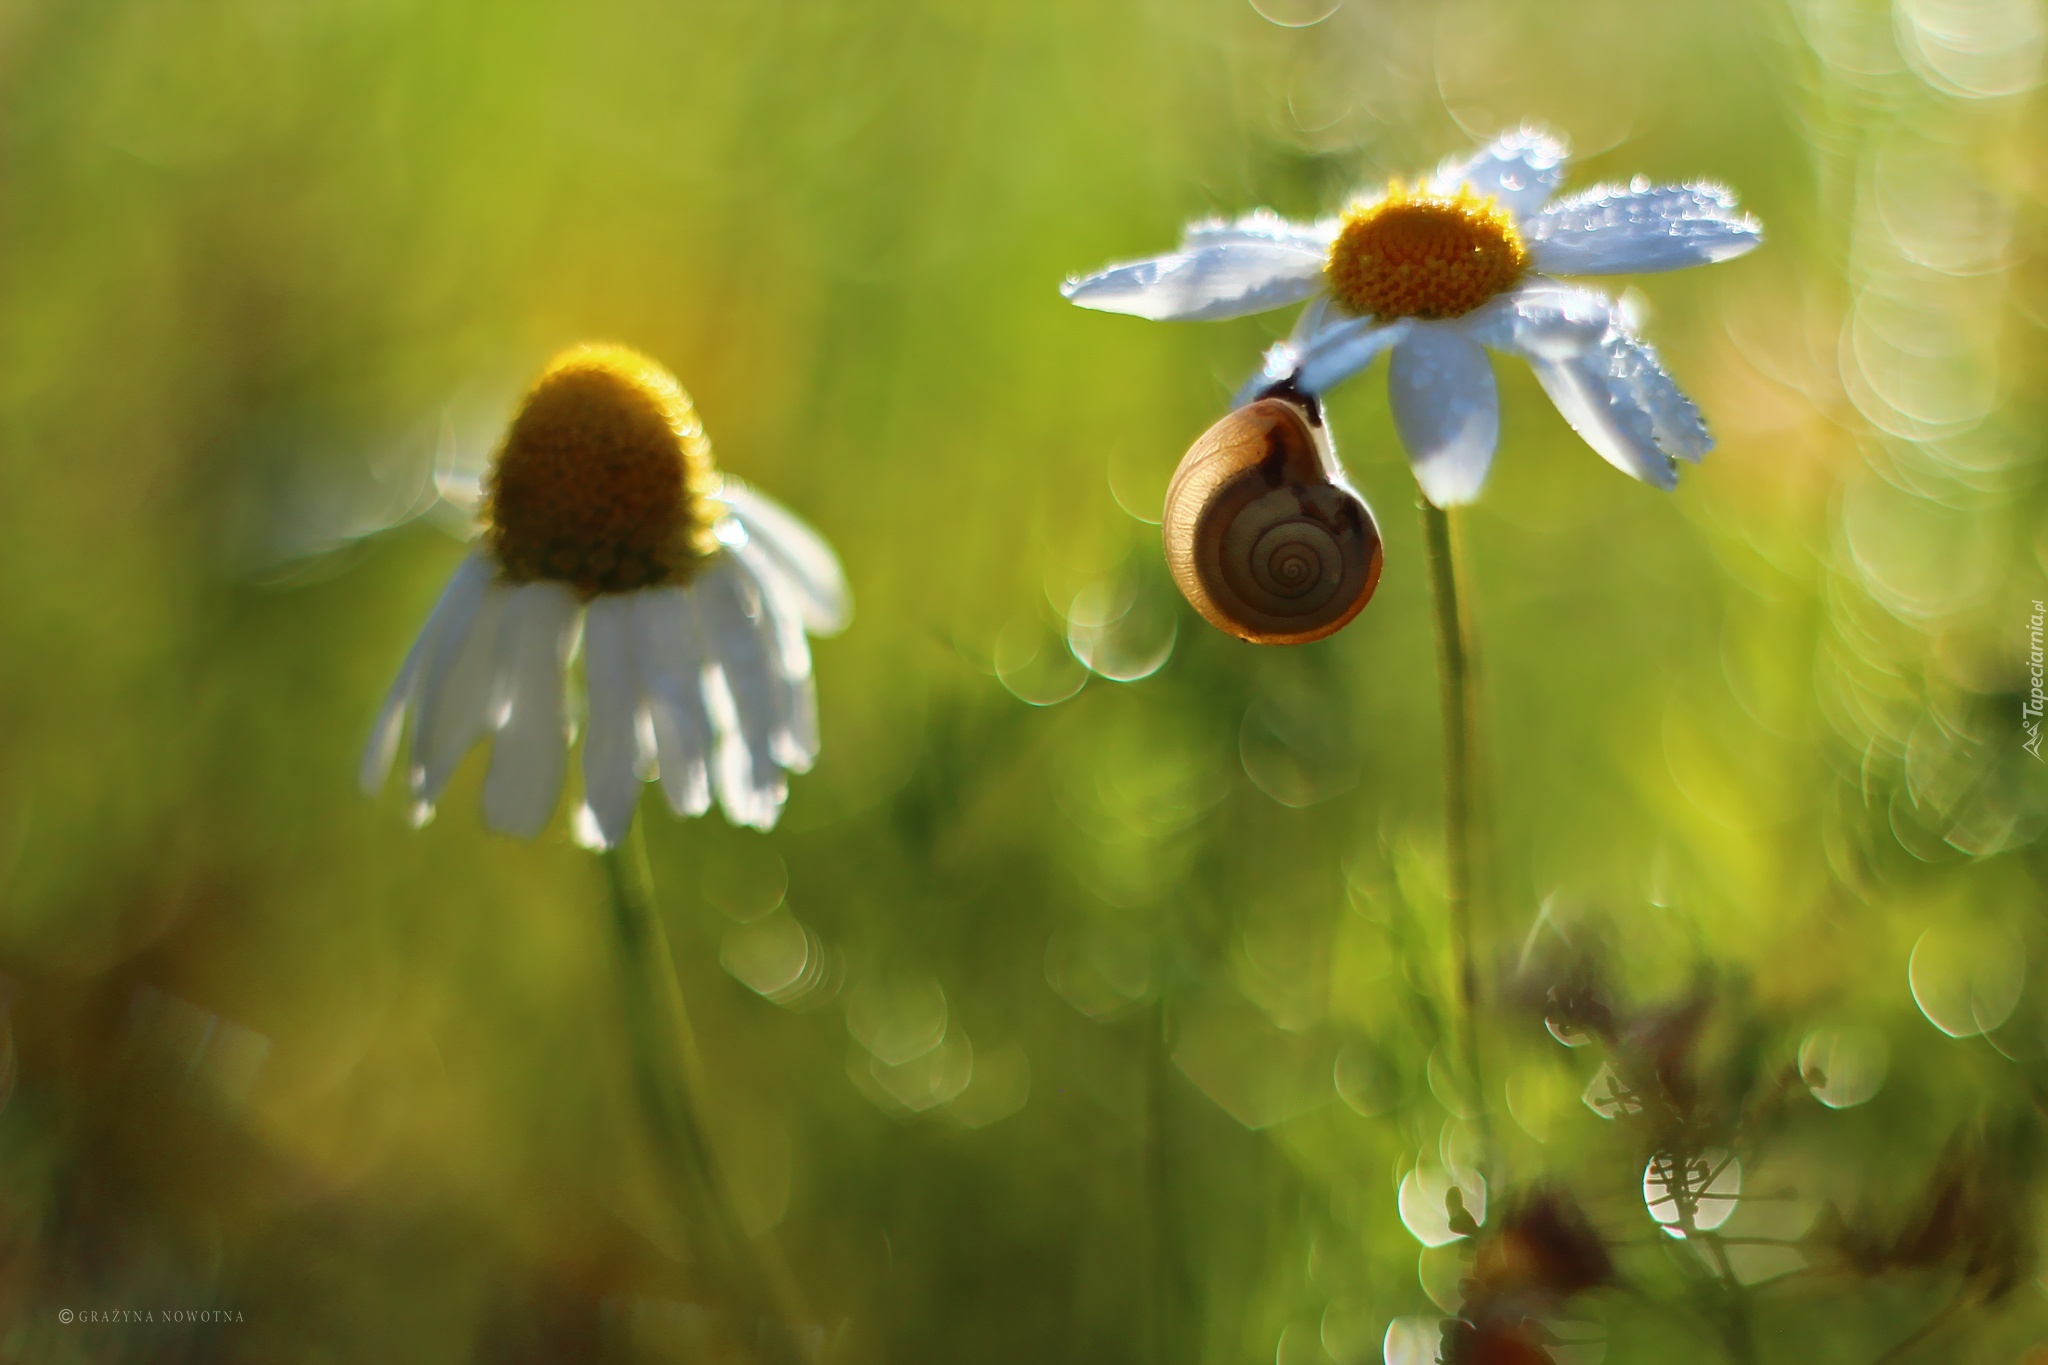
x=668 y=1075
x=1458 y=683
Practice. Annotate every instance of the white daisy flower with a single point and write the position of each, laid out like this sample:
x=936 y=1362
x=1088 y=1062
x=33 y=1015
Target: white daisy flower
x=605 y=521
x=1463 y=261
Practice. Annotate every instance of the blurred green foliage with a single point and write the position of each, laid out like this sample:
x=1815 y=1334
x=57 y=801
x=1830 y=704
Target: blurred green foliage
x=1178 y=939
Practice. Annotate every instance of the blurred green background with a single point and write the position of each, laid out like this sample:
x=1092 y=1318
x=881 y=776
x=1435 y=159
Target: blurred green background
x=1063 y=1017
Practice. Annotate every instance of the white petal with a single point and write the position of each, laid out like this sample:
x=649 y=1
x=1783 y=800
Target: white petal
x=1224 y=279
x=1447 y=410
x=452 y=611
x=531 y=750
x=1341 y=349
x=458 y=693
x=1544 y=319
x=644 y=744
x=796 y=740
x=611 y=739
x=1258 y=227
x=1522 y=169
x=1635 y=373
x=1557 y=324
x=670 y=663
x=1612 y=230
x=739 y=620
x=805 y=561
x=732 y=769
x=1620 y=433
x=731 y=616
x=1312 y=319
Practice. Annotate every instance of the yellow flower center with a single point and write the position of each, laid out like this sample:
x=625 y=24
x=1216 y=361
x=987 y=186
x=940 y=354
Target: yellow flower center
x=605 y=478
x=1416 y=255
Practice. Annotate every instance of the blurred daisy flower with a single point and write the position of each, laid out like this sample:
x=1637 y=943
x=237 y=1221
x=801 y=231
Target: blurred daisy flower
x=604 y=522
x=1440 y=271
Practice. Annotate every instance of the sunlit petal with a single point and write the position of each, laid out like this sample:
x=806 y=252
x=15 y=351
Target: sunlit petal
x=1522 y=169
x=1259 y=227
x=1227 y=279
x=799 y=554
x=611 y=788
x=530 y=753
x=1634 y=371
x=1638 y=229
x=1619 y=432
x=1447 y=410
x=790 y=657
x=1341 y=349
x=670 y=662
x=457 y=695
x=1609 y=385
x=742 y=696
x=451 y=617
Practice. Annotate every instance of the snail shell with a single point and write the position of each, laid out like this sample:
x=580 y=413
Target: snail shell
x=1263 y=535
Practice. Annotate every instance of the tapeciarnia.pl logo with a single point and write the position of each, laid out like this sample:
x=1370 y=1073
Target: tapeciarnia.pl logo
x=2030 y=709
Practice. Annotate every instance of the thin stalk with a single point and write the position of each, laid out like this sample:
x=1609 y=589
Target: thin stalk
x=1458 y=687
x=668 y=1075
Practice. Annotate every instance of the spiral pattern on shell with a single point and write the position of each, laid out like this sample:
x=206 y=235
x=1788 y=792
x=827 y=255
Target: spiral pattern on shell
x=1263 y=536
